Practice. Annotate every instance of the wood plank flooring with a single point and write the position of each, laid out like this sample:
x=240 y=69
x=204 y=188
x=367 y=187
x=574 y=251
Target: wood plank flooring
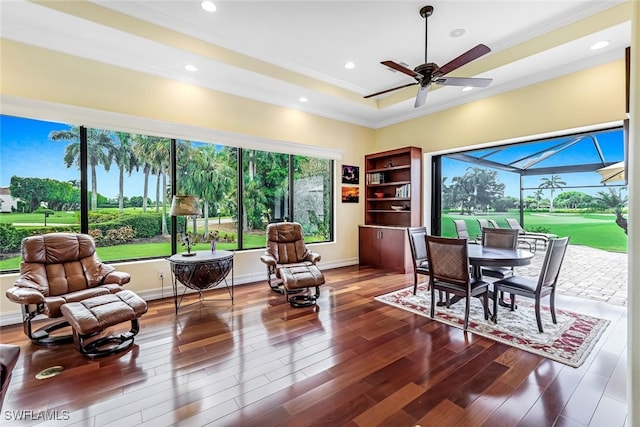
x=350 y=361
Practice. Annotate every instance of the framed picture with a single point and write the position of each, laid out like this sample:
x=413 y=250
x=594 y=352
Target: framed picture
x=350 y=194
x=350 y=174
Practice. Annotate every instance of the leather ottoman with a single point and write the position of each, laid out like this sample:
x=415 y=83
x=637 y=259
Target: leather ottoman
x=90 y=317
x=8 y=358
x=297 y=278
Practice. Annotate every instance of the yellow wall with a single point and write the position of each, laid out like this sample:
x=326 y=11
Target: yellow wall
x=585 y=98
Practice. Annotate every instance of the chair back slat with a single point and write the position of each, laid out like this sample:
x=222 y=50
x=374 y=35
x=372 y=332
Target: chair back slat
x=552 y=263
x=417 y=244
x=448 y=260
x=505 y=238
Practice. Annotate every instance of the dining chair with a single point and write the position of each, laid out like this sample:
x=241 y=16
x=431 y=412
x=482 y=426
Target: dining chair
x=545 y=285
x=449 y=272
x=418 y=253
x=503 y=238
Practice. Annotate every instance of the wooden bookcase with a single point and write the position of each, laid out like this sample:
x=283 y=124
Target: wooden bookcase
x=396 y=176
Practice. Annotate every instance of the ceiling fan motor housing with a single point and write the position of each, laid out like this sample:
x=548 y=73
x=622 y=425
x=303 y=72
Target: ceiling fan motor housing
x=427 y=70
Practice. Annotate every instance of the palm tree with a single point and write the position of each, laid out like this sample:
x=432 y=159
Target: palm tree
x=616 y=202
x=208 y=177
x=159 y=160
x=126 y=160
x=538 y=197
x=99 y=152
x=553 y=183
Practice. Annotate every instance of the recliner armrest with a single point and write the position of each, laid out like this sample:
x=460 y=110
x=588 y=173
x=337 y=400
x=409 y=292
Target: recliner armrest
x=314 y=257
x=268 y=259
x=25 y=295
x=116 y=277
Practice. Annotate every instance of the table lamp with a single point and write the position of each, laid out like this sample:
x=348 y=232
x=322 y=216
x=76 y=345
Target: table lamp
x=186 y=206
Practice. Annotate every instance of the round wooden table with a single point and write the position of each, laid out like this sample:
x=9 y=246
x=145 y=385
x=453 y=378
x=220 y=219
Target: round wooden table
x=484 y=256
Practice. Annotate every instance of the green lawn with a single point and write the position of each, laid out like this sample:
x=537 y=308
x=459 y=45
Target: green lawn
x=595 y=230
x=38 y=218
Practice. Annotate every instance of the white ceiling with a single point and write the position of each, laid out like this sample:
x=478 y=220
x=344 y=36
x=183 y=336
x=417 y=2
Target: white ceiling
x=279 y=51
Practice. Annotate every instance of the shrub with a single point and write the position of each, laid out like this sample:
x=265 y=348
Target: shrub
x=143 y=226
x=11 y=237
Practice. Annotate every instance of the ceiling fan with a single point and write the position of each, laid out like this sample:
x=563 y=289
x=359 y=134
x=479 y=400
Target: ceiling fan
x=430 y=72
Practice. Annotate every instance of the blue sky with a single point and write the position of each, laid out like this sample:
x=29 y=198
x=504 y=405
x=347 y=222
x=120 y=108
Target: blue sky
x=584 y=152
x=27 y=151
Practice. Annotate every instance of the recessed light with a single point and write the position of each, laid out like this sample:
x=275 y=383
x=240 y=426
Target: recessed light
x=208 y=5
x=349 y=65
x=599 y=45
x=302 y=99
x=458 y=32
x=190 y=67
x=467 y=88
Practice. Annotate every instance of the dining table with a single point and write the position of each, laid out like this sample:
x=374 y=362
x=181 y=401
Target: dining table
x=487 y=256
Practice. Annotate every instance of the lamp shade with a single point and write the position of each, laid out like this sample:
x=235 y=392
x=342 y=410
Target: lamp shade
x=185 y=206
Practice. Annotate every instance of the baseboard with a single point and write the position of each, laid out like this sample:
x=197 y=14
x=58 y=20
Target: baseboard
x=166 y=291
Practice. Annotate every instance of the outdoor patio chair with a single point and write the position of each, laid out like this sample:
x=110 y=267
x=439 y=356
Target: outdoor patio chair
x=528 y=235
x=462 y=232
x=449 y=271
x=545 y=285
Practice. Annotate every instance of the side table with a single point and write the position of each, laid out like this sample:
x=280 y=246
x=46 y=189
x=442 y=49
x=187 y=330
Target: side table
x=202 y=271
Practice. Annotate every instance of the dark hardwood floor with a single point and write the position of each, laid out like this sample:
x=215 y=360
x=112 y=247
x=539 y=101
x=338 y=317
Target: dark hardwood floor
x=351 y=361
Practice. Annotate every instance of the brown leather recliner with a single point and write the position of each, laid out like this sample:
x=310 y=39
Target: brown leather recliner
x=285 y=248
x=57 y=268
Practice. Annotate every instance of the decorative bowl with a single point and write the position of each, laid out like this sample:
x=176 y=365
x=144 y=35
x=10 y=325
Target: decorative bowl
x=379 y=195
x=398 y=208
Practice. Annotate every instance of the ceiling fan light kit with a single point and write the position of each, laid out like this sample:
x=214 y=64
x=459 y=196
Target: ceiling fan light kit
x=429 y=72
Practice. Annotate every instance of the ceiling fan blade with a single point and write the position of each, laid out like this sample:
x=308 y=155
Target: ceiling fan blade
x=422 y=96
x=462 y=81
x=402 y=69
x=468 y=56
x=390 y=90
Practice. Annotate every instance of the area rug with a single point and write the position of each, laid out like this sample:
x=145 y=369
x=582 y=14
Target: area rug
x=569 y=341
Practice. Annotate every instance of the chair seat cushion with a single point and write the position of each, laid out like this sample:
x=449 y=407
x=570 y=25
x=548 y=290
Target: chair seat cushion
x=517 y=283
x=305 y=276
x=279 y=267
x=477 y=287
x=497 y=272
x=98 y=313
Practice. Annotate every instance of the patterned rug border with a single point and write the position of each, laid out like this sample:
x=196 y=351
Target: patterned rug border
x=579 y=333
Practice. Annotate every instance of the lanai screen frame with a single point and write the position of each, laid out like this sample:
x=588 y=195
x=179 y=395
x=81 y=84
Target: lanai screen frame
x=527 y=167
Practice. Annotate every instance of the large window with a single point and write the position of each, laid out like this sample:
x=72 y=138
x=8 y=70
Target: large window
x=127 y=182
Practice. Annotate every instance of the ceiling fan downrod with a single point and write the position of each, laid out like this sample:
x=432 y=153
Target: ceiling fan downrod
x=426 y=12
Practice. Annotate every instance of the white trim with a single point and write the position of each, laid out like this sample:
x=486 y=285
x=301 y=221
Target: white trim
x=50 y=111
